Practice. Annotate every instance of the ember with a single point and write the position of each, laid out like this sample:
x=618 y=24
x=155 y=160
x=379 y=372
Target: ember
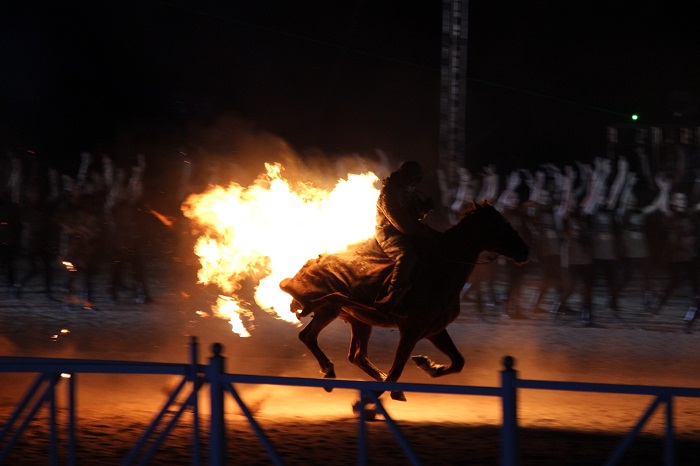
x=268 y=230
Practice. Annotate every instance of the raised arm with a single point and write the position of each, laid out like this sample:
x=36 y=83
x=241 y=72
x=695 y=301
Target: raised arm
x=461 y=197
x=618 y=182
x=489 y=185
x=588 y=200
x=135 y=188
x=557 y=178
x=662 y=200
x=511 y=185
x=630 y=182
x=85 y=159
x=567 y=191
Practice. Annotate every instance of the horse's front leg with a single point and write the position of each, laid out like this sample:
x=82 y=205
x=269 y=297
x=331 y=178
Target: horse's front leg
x=406 y=345
x=444 y=343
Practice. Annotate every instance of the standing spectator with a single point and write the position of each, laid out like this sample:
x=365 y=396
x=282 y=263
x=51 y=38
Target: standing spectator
x=635 y=250
x=124 y=226
x=10 y=226
x=40 y=232
x=82 y=226
x=482 y=281
x=599 y=207
x=577 y=259
x=510 y=206
x=546 y=229
x=680 y=225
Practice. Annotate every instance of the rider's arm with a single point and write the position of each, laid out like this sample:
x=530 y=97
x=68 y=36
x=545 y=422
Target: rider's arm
x=489 y=185
x=511 y=185
x=403 y=216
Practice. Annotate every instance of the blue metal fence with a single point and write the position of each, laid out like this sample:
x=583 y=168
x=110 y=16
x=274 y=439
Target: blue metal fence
x=194 y=375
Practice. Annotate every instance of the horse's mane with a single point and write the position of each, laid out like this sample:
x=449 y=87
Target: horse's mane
x=471 y=209
x=475 y=213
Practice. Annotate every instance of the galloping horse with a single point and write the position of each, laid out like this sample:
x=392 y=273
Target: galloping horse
x=345 y=285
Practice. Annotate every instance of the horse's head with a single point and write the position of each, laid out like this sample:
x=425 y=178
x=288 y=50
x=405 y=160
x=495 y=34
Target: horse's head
x=495 y=233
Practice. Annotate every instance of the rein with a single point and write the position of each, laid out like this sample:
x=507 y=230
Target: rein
x=478 y=262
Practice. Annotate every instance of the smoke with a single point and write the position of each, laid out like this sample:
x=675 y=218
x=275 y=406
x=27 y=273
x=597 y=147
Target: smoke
x=235 y=149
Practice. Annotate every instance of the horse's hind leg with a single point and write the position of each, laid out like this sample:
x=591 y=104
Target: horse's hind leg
x=358 y=349
x=309 y=335
x=444 y=343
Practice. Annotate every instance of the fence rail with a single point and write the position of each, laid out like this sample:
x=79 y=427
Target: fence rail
x=42 y=393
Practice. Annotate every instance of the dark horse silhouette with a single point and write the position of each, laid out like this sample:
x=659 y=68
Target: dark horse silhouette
x=345 y=285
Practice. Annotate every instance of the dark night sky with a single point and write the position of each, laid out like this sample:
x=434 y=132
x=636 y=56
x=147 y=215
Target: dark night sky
x=545 y=77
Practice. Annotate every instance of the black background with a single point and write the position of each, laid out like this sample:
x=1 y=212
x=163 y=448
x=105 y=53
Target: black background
x=545 y=77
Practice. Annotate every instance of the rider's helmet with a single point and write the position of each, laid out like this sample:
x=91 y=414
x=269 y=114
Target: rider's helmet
x=410 y=173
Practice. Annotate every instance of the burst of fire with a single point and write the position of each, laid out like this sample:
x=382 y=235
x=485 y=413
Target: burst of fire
x=269 y=230
x=69 y=266
x=164 y=219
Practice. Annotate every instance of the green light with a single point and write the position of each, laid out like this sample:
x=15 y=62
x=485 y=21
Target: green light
x=635 y=117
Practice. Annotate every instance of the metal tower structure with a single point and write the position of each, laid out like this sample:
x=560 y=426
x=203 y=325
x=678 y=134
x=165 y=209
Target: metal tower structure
x=453 y=85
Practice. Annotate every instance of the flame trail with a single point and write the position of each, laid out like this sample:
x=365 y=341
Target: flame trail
x=269 y=230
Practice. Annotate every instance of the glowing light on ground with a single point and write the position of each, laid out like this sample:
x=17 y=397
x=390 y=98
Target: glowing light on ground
x=268 y=230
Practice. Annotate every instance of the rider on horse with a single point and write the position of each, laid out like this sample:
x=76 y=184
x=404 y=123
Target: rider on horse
x=400 y=209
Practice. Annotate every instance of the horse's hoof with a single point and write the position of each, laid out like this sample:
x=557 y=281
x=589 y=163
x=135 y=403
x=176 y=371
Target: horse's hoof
x=370 y=411
x=329 y=373
x=422 y=361
x=398 y=396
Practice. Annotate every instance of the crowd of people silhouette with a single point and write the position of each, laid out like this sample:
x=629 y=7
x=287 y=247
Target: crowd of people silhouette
x=609 y=225
x=592 y=226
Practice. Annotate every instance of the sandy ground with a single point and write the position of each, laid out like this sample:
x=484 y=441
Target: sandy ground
x=310 y=426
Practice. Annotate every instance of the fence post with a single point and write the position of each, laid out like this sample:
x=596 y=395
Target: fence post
x=53 y=432
x=509 y=428
x=71 y=418
x=217 y=438
x=194 y=378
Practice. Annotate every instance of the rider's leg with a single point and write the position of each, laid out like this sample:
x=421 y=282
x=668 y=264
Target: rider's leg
x=405 y=258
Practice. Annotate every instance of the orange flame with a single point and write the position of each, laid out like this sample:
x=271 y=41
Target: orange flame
x=269 y=230
x=164 y=219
